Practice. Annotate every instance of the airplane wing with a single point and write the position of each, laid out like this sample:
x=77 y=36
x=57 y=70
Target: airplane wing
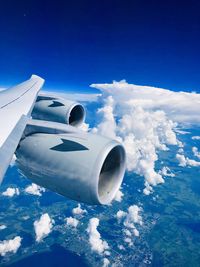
x=16 y=105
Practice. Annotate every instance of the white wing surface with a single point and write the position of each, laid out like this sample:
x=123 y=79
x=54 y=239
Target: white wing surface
x=16 y=105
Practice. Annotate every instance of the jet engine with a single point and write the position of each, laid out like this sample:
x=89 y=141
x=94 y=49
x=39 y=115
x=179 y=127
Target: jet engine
x=59 y=110
x=82 y=166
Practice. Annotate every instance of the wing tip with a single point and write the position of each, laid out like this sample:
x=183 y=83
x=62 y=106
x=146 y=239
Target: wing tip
x=34 y=76
x=38 y=78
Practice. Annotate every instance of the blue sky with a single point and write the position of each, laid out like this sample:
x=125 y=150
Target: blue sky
x=75 y=43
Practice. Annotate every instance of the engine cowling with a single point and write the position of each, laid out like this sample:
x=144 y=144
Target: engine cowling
x=58 y=110
x=81 y=166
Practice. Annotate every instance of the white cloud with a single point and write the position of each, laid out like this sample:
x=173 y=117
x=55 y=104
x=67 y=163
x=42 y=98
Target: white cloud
x=130 y=114
x=127 y=232
x=10 y=192
x=185 y=161
x=166 y=172
x=180 y=150
x=97 y=244
x=196 y=152
x=181 y=131
x=148 y=189
x=179 y=106
x=120 y=214
x=11 y=245
x=118 y=196
x=26 y=217
x=121 y=247
x=78 y=210
x=72 y=96
x=192 y=163
x=2 y=227
x=133 y=217
x=72 y=222
x=130 y=219
x=136 y=232
x=106 y=262
x=108 y=125
x=34 y=189
x=43 y=226
x=181 y=159
x=195 y=137
x=128 y=240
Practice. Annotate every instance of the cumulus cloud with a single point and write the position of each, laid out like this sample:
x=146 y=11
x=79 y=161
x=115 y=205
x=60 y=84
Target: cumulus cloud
x=11 y=245
x=136 y=232
x=166 y=172
x=195 y=137
x=130 y=219
x=180 y=150
x=73 y=222
x=182 y=160
x=106 y=262
x=180 y=106
x=121 y=247
x=120 y=214
x=128 y=240
x=10 y=192
x=142 y=132
x=196 y=152
x=108 y=125
x=181 y=131
x=72 y=96
x=97 y=244
x=118 y=196
x=34 y=189
x=78 y=210
x=133 y=217
x=185 y=161
x=127 y=232
x=43 y=226
x=148 y=189
x=144 y=119
x=2 y=227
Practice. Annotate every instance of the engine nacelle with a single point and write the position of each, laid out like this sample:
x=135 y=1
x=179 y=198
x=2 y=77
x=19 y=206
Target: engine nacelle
x=58 y=110
x=81 y=166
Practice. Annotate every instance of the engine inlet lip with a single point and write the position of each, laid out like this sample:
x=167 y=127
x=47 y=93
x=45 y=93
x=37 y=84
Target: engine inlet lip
x=97 y=171
x=75 y=105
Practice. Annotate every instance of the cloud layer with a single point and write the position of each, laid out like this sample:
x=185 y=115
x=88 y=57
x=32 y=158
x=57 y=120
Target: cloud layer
x=141 y=118
x=179 y=106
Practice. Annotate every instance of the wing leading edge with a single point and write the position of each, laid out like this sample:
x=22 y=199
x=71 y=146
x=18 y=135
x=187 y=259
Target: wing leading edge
x=16 y=105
